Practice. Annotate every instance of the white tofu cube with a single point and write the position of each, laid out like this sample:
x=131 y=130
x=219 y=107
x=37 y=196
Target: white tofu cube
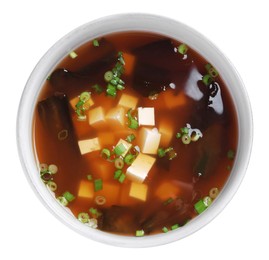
x=140 y=168
x=166 y=129
x=146 y=116
x=86 y=189
x=138 y=191
x=126 y=145
x=89 y=145
x=128 y=101
x=96 y=117
x=149 y=140
x=116 y=116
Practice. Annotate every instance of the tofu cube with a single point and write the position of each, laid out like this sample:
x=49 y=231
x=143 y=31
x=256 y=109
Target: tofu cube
x=128 y=101
x=126 y=145
x=138 y=191
x=97 y=117
x=149 y=140
x=86 y=189
x=166 y=130
x=116 y=117
x=89 y=145
x=75 y=100
x=140 y=167
x=146 y=116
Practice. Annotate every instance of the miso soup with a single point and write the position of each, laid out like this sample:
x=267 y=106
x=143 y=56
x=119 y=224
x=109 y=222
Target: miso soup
x=135 y=133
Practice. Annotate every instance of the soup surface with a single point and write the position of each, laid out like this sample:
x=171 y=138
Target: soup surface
x=135 y=133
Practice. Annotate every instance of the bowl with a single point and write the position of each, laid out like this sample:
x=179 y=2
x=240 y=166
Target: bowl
x=133 y=22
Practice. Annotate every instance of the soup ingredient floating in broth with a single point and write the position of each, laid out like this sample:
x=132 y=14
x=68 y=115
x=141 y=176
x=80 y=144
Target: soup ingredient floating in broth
x=138 y=126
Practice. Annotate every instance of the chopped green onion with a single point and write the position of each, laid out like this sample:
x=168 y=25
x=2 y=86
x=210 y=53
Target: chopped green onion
x=186 y=139
x=130 y=138
x=98 y=184
x=211 y=70
x=63 y=200
x=95 y=43
x=168 y=201
x=171 y=154
x=200 y=206
x=213 y=193
x=108 y=76
x=120 y=87
x=105 y=153
x=231 y=154
x=174 y=226
x=43 y=167
x=120 y=149
x=207 y=201
x=85 y=96
x=98 y=89
x=178 y=135
x=100 y=200
x=111 y=90
x=69 y=196
x=73 y=54
x=120 y=58
x=165 y=229
x=93 y=211
x=53 y=168
x=182 y=48
x=89 y=177
x=207 y=79
x=83 y=217
x=140 y=233
x=129 y=158
x=161 y=152
x=184 y=130
x=117 y=174
x=119 y=163
x=133 y=123
x=52 y=185
x=122 y=178
x=79 y=104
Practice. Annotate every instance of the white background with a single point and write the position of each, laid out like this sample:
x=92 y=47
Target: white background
x=29 y=28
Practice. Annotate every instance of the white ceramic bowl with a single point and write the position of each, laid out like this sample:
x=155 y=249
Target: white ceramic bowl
x=133 y=22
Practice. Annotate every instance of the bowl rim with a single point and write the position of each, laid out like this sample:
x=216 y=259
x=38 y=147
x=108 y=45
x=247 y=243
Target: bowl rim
x=135 y=22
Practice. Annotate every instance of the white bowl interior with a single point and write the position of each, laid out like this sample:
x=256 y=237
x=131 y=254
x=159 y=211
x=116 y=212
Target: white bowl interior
x=133 y=22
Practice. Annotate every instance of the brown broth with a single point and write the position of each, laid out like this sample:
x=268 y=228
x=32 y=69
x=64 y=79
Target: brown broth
x=157 y=64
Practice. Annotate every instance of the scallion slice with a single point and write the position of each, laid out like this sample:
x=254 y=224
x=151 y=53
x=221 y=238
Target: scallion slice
x=108 y=76
x=161 y=152
x=165 y=229
x=186 y=139
x=89 y=177
x=119 y=163
x=231 y=154
x=122 y=178
x=97 y=88
x=120 y=149
x=111 y=90
x=63 y=201
x=98 y=185
x=73 y=54
x=105 y=153
x=130 y=138
x=200 y=206
x=182 y=48
x=85 y=96
x=140 y=233
x=133 y=123
x=178 y=135
x=69 y=196
x=52 y=185
x=129 y=158
x=207 y=79
x=117 y=174
x=95 y=43
x=174 y=226
x=83 y=217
